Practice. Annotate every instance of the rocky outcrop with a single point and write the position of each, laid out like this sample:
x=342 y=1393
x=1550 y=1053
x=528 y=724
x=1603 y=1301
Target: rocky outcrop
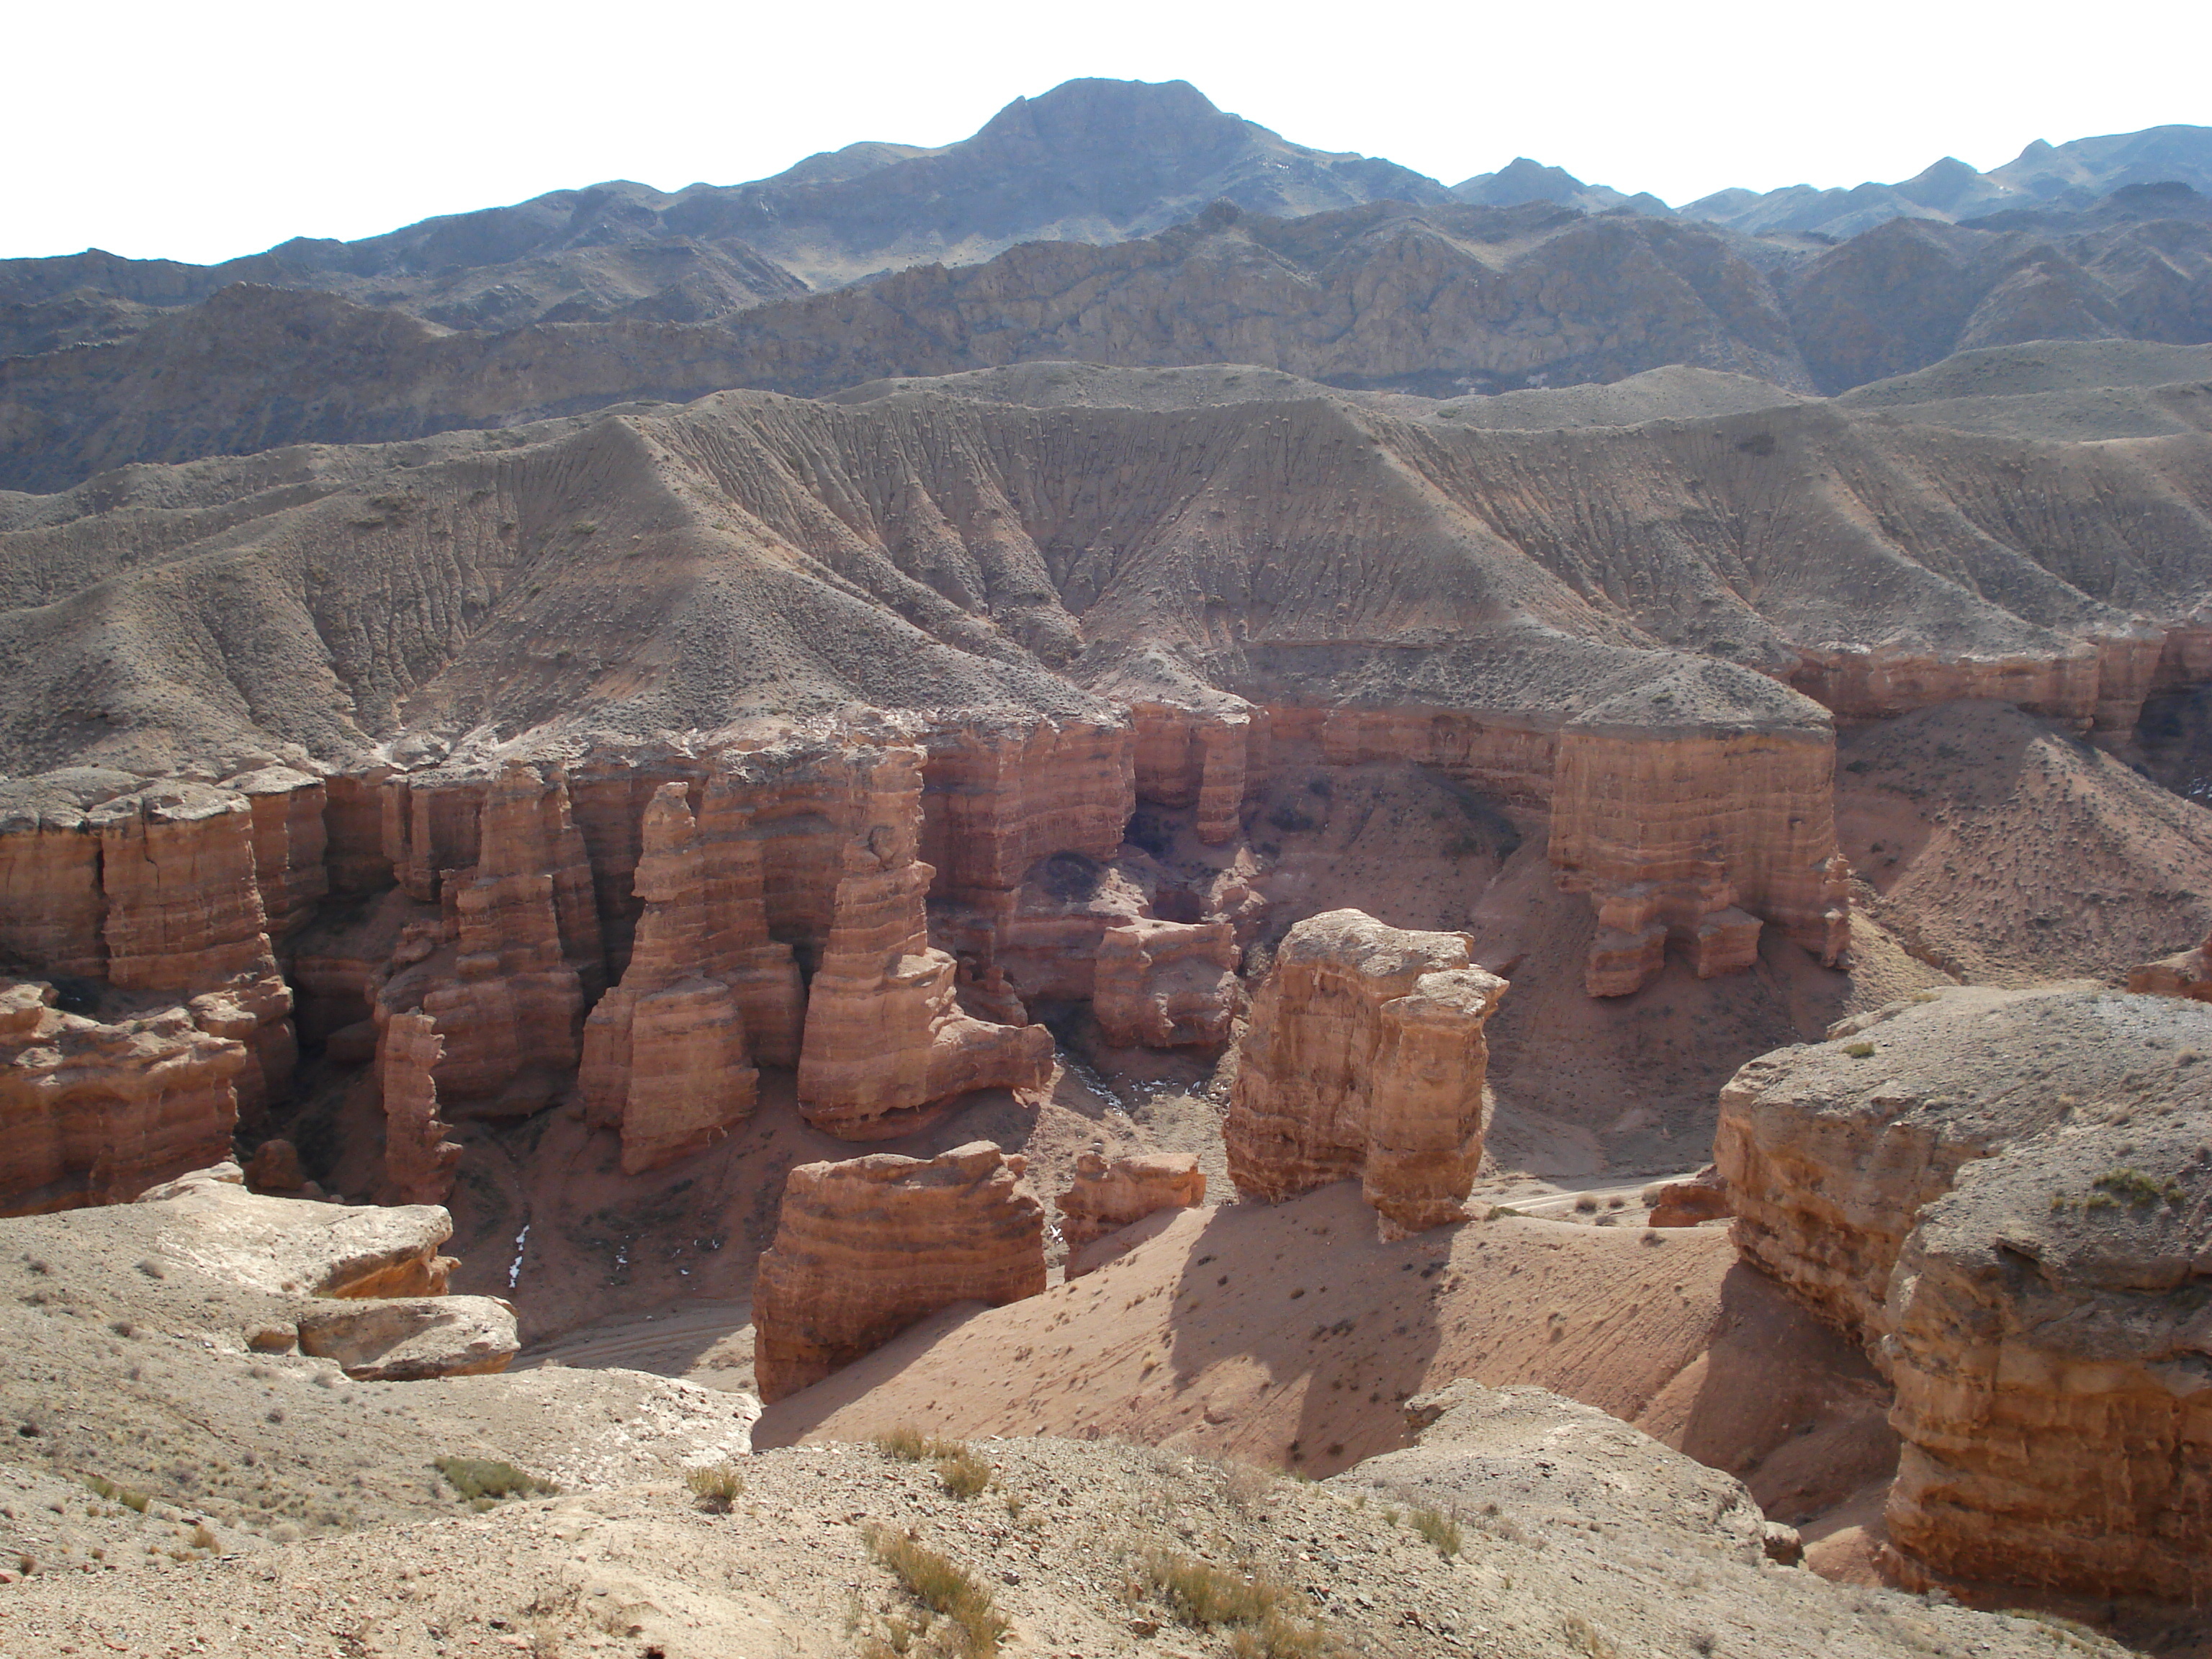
x=1831 y=1150
x=2006 y=1194
x=95 y=1113
x=288 y=1246
x=290 y=844
x=1364 y=1056
x=418 y=1159
x=1104 y=1197
x=183 y=918
x=1691 y=1203
x=1694 y=838
x=865 y=1248
x=2187 y=975
x=53 y=907
x=885 y=1031
x=1166 y=984
x=1201 y=759
x=509 y=997
x=412 y=1340
x=666 y=1055
x=2050 y=1346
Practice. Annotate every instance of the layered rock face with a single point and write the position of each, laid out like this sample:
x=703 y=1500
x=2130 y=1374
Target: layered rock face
x=1829 y=1152
x=2005 y=1195
x=94 y=1113
x=1106 y=1197
x=1166 y=984
x=666 y=1055
x=52 y=903
x=1364 y=1056
x=510 y=1000
x=884 y=1030
x=183 y=918
x=1673 y=835
x=1200 y=759
x=865 y=1248
x=2049 y=1341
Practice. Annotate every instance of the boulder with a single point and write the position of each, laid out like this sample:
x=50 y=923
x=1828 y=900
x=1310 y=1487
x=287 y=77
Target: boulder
x=410 y=1339
x=868 y=1247
x=1105 y=1197
x=1364 y=1056
x=292 y=1247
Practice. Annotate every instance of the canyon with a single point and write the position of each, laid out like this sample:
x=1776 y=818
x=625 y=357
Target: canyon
x=1055 y=828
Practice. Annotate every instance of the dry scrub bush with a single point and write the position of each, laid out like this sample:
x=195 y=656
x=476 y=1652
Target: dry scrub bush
x=963 y=1473
x=972 y=1627
x=716 y=1486
x=1585 y=1638
x=1263 y=1617
x=1440 y=1529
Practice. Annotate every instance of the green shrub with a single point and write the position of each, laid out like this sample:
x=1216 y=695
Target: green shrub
x=1859 y=1050
x=483 y=1480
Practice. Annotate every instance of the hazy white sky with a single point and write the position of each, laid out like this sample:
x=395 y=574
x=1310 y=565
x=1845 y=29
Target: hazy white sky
x=201 y=132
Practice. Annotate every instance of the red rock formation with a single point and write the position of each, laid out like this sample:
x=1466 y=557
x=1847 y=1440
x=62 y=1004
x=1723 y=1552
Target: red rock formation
x=2047 y=1340
x=1166 y=984
x=1693 y=837
x=510 y=1001
x=290 y=844
x=1691 y=1203
x=865 y=1248
x=735 y=948
x=665 y=1056
x=183 y=916
x=885 y=1031
x=1107 y=1197
x=95 y=1114
x=1364 y=1055
x=1186 y=757
x=2188 y=975
x=2093 y=685
x=418 y=1159
x=51 y=907
x=430 y=824
x=997 y=799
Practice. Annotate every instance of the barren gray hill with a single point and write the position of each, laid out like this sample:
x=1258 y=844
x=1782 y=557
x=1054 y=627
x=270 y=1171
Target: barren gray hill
x=754 y=558
x=2058 y=389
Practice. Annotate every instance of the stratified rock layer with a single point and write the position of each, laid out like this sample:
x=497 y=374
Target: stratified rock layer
x=1364 y=1056
x=1107 y=1197
x=665 y=1054
x=94 y=1113
x=885 y=1031
x=2051 y=1344
x=865 y=1248
x=1830 y=1151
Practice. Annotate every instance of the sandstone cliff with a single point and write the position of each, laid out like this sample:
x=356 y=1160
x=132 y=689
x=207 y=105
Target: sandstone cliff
x=95 y=1113
x=666 y=1058
x=2050 y=1343
x=865 y=1248
x=885 y=1031
x=1829 y=1151
x=1364 y=1056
